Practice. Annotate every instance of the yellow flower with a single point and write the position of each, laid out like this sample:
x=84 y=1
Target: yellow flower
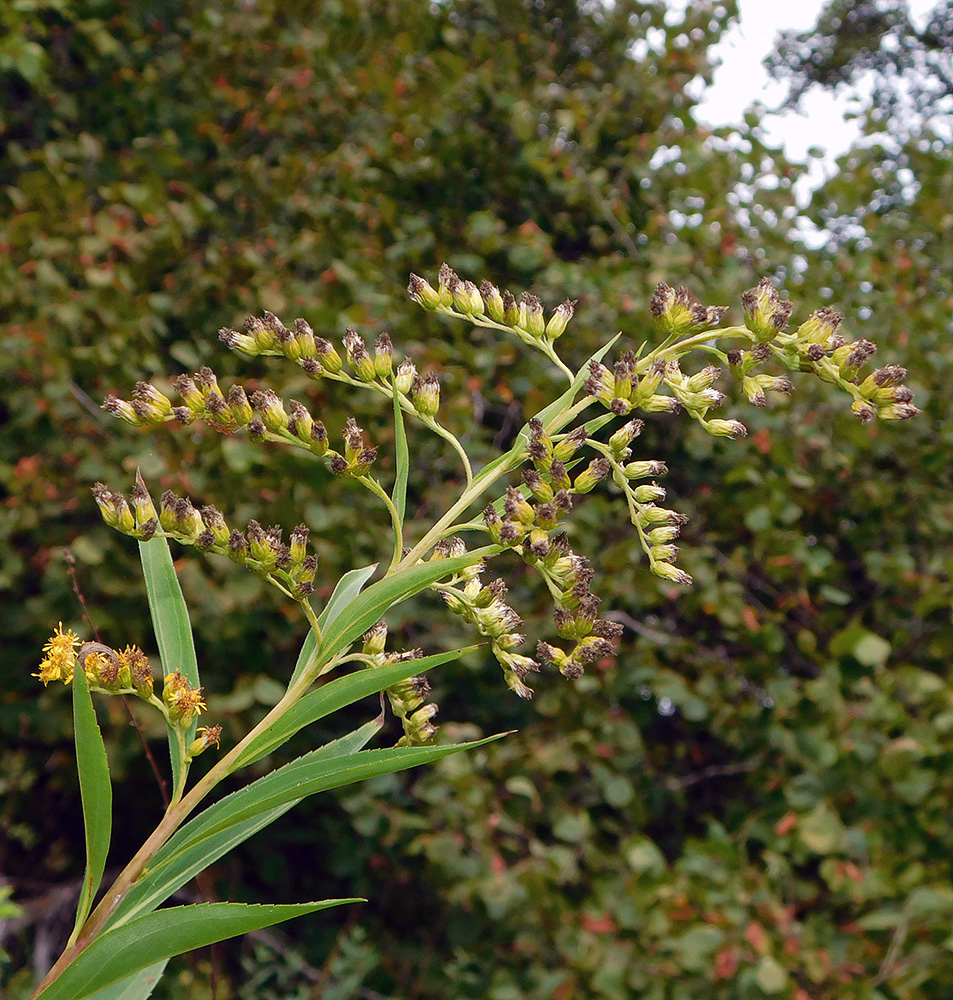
x=60 y=658
x=183 y=701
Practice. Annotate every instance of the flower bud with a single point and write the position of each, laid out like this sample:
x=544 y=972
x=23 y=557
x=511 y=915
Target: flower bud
x=726 y=428
x=319 y=439
x=383 y=356
x=406 y=374
x=586 y=481
x=765 y=314
x=271 y=410
x=640 y=470
x=328 y=357
x=303 y=339
x=449 y=283
x=649 y=493
x=820 y=326
x=467 y=299
x=358 y=357
x=425 y=394
x=117 y=407
x=669 y=572
x=564 y=450
x=423 y=293
x=560 y=318
x=531 y=315
x=492 y=301
x=375 y=639
x=241 y=343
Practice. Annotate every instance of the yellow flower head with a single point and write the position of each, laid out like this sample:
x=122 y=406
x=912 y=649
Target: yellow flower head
x=183 y=701
x=60 y=656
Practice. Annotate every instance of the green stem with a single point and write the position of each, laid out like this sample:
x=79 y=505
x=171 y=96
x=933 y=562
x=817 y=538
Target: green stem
x=375 y=487
x=697 y=340
x=454 y=443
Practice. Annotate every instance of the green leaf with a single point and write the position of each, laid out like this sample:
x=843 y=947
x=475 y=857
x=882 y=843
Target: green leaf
x=399 y=495
x=122 y=951
x=95 y=791
x=547 y=413
x=138 y=986
x=164 y=877
x=348 y=587
x=173 y=630
x=369 y=606
x=312 y=773
x=566 y=399
x=335 y=695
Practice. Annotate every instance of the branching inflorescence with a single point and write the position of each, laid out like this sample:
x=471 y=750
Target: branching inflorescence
x=528 y=517
x=526 y=495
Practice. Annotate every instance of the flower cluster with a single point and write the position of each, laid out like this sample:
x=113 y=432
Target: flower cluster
x=487 y=306
x=127 y=671
x=407 y=698
x=818 y=346
x=261 y=550
x=483 y=607
x=107 y=670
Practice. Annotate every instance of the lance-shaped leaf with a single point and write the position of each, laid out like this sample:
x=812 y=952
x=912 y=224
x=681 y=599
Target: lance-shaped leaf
x=173 y=630
x=123 y=951
x=402 y=459
x=162 y=879
x=138 y=986
x=335 y=695
x=95 y=791
x=348 y=587
x=371 y=605
x=312 y=773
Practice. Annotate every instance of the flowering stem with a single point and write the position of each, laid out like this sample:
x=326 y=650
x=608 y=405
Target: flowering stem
x=698 y=340
x=375 y=487
x=455 y=444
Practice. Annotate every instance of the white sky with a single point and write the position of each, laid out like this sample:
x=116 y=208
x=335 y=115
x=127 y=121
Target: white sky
x=742 y=80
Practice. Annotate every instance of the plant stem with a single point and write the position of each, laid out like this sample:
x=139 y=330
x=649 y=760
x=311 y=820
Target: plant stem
x=172 y=820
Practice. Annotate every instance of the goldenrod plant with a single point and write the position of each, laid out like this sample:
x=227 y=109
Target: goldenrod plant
x=585 y=439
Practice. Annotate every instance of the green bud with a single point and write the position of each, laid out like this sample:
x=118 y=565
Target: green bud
x=327 y=356
x=406 y=373
x=425 y=394
x=765 y=314
x=241 y=343
x=117 y=407
x=423 y=293
x=492 y=301
x=652 y=493
x=640 y=470
x=358 y=357
x=669 y=572
x=726 y=428
x=383 y=356
x=559 y=320
x=586 y=481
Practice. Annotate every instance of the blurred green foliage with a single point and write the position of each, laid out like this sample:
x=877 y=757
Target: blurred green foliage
x=753 y=800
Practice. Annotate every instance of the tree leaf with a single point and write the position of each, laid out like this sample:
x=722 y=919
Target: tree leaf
x=163 y=878
x=173 y=630
x=123 y=951
x=95 y=791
